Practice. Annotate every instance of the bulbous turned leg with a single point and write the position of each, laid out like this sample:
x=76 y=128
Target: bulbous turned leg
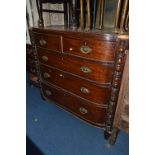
x=106 y=135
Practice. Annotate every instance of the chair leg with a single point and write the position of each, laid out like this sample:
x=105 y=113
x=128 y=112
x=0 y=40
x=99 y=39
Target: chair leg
x=88 y=24
x=113 y=136
x=94 y=14
x=73 y=22
x=42 y=96
x=68 y=13
x=40 y=13
x=65 y=14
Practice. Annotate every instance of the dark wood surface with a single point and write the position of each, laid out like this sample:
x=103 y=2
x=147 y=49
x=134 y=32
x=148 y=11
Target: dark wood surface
x=94 y=115
x=101 y=50
x=53 y=42
x=97 y=93
x=105 y=34
x=62 y=75
x=101 y=73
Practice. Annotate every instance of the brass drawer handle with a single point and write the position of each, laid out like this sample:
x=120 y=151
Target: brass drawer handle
x=85 y=49
x=85 y=69
x=42 y=42
x=83 y=110
x=84 y=90
x=45 y=58
x=48 y=92
x=46 y=75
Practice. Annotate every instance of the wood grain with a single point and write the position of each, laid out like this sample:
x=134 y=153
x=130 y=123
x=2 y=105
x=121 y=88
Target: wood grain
x=101 y=50
x=53 y=42
x=94 y=115
x=98 y=94
x=100 y=73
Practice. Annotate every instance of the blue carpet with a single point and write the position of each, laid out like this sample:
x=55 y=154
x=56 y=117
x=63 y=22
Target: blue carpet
x=56 y=132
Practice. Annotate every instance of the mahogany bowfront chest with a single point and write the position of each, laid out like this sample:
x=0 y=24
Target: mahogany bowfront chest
x=81 y=71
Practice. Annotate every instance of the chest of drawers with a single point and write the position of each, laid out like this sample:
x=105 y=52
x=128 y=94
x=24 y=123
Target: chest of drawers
x=81 y=72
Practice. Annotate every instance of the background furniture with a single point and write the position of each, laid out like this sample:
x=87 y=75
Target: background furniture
x=41 y=10
x=91 y=14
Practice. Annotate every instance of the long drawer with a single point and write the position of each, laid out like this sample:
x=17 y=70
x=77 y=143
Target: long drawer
x=50 y=42
x=84 y=110
x=92 y=49
x=83 y=88
x=86 y=69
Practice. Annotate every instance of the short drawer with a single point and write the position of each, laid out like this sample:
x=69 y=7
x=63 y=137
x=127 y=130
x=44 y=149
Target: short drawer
x=50 y=42
x=77 y=106
x=98 y=72
x=92 y=49
x=80 y=87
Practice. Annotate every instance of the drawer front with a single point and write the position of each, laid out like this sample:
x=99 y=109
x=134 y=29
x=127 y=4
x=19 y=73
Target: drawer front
x=52 y=42
x=86 y=69
x=82 y=88
x=92 y=49
x=77 y=106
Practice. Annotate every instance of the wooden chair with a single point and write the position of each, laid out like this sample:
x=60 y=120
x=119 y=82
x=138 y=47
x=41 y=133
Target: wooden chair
x=41 y=10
